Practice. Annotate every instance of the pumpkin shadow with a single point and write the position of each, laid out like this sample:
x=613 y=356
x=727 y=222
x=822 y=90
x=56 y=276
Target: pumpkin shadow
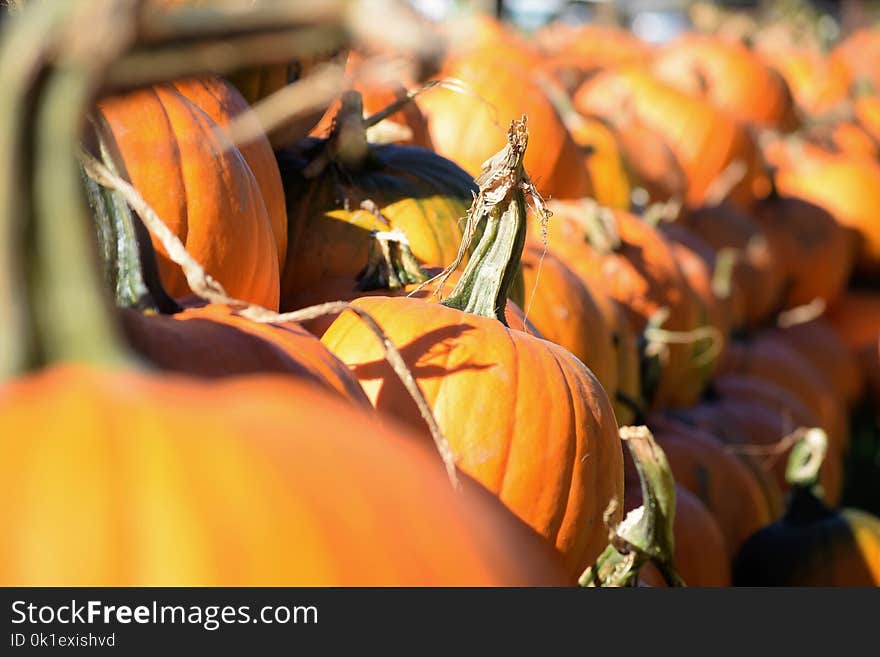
x=427 y=357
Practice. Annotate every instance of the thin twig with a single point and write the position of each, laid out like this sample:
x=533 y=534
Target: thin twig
x=207 y=287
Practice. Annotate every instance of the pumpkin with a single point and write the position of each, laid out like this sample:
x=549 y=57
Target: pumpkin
x=814 y=253
x=211 y=341
x=859 y=53
x=128 y=478
x=756 y=273
x=856 y=320
x=867 y=111
x=222 y=102
x=650 y=160
x=575 y=52
x=638 y=269
x=817 y=342
x=605 y=162
x=565 y=312
x=391 y=270
x=730 y=76
x=467 y=127
x=727 y=487
x=200 y=185
x=414 y=190
x=248 y=499
x=711 y=313
x=847 y=187
x=489 y=387
x=754 y=417
x=769 y=357
x=813 y=544
x=377 y=95
x=704 y=140
x=819 y=84
x=700 y=553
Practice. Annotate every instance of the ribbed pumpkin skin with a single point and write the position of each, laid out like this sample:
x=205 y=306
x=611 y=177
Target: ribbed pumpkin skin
x=643 y=276
x=817 y=342
x=565 y=312
x=725 y=485
x=704 y=140
x=210 y=341
x=182 y=483
x=769 y=357
x=848 y=188
x=201 y=187
x=490 y=389
x=814 y=253
x=418 y=191
x=701 y=555
x=730 y=76
x=747 y=410
x=222 y=102
x=825 y=548
x=466 y=130
x=757 y=274
x=611 y=184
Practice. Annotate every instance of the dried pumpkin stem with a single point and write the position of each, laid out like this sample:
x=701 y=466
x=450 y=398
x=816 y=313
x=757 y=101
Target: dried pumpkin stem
x=204 y=285
x=500 y=205
x=646 y=533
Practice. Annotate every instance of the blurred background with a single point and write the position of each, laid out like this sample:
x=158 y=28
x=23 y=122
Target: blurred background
x=658 y=21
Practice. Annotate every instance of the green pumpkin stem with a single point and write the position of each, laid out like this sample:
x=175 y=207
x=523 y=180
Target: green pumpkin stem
x=494 y=263
x=806 y=459
x=646 y=534
x=74 y=320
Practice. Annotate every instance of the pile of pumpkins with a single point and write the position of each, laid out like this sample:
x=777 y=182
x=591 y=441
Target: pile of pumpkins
x=678 y=237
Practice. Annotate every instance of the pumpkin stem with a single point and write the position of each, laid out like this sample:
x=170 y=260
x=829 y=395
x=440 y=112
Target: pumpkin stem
x=646 y=533
x=347 y=143
x=501 y=204
x=73 y=319
x=806 y=458
x=391 y=264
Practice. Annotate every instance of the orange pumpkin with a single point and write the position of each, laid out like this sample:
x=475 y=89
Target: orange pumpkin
x=814 y=253
x=605 y=162
x=730 y=76
x=638 y=269
x=867 y=111
x=565 y=312
x=200 y=185
x=701 y=555
x=248 y=498
x=769 y=357
x=856 y=320
x=730 y=491
x=847 y=187
x=504 y=379
x=819 y=84
x=859 y=52
x=756 y=274
x=817 y=342
x=704 y=140
x=211 y=341
x=468 y=127
x=222 y=103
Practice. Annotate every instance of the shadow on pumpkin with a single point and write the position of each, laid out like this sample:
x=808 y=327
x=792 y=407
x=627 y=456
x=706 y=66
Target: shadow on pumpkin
x=428 y=357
